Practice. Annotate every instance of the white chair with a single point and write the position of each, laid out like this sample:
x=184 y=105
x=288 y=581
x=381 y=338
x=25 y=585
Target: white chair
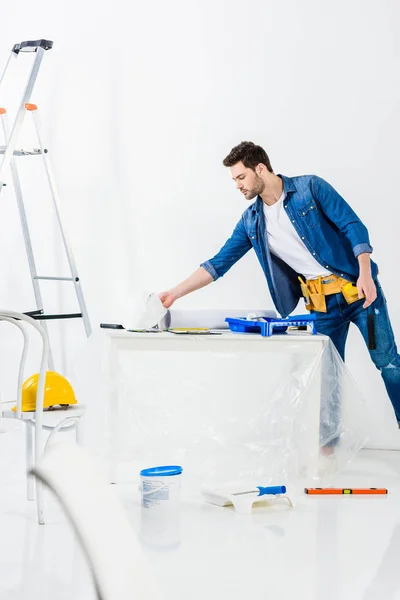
x=119 y=568
x=37 y=421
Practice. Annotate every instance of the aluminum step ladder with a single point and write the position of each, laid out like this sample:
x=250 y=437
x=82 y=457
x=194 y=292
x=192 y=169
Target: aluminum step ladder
x=11 y=154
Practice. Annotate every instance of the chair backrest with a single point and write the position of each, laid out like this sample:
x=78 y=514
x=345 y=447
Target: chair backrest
x=119 y=568
x=20 y=320
x=22 y=361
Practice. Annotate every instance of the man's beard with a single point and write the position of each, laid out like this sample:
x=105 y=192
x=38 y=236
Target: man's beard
x=257 y=189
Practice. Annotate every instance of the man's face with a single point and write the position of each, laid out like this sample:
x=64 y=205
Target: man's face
x=247 y=181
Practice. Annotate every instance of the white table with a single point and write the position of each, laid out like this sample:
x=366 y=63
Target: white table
x=303 y=343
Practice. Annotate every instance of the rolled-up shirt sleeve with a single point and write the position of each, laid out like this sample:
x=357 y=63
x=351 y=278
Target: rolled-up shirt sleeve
x=232 y=251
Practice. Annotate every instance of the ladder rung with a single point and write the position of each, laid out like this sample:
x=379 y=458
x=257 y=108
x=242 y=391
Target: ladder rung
x=61 y=316
x=22 y=152
x=56 y=278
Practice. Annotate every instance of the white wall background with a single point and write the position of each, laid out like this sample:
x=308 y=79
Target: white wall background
x=141 y=102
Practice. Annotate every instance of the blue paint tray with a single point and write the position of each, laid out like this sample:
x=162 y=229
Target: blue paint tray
x=267 y=326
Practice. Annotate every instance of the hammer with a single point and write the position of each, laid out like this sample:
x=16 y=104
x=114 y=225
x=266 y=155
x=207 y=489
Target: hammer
x=371 y=329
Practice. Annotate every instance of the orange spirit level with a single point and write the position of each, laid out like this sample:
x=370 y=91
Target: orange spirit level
x=343 y=491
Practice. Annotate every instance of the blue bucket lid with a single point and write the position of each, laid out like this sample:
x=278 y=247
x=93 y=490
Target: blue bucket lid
x=166 y=471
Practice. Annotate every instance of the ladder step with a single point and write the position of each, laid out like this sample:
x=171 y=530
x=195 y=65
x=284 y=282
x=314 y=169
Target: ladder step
x=41 y=317
x=31 y=46
x=22 y=152
x=57 y=278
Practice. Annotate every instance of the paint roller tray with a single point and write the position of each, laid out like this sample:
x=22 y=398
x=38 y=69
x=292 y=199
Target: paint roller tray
x=266 y=326
x=243 y=497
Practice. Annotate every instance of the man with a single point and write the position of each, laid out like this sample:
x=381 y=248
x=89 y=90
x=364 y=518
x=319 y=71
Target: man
x=309 y=242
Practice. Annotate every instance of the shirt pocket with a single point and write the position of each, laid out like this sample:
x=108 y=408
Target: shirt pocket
x=309 y=214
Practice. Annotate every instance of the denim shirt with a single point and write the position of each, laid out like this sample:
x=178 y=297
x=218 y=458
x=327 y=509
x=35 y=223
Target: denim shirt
x=327 y=225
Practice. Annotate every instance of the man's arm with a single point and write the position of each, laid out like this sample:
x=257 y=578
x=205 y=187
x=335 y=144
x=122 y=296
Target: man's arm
x=343 y=216
x=211 y=270
x=200 y=278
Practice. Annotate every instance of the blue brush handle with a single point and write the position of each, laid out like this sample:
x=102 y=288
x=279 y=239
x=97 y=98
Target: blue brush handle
x=272 y=489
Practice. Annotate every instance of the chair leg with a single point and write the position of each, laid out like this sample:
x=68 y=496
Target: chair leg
x=39 y=501
x=30 y=460
x=38 y=483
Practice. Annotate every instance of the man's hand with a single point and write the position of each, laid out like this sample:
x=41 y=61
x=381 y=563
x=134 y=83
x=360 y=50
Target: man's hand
x=366 y=287
x=167 y=299
x=365 y=283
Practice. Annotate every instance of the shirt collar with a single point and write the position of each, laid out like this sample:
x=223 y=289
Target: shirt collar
x=288 y=187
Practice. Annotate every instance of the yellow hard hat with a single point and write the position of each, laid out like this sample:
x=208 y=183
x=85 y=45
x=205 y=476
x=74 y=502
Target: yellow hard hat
x=58 y=392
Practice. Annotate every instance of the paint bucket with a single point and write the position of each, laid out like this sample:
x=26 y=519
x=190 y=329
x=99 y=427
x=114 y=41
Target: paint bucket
x=160 y=512
x=161 y=487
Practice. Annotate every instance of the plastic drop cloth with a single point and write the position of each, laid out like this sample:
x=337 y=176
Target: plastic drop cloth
x=230 y=416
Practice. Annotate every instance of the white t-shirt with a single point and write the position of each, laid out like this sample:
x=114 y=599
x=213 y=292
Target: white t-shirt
x=284 y=241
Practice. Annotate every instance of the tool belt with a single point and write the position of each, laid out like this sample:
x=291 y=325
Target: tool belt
x=315 y=290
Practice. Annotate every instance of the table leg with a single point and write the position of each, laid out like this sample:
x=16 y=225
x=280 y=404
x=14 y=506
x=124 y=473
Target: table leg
x=312 y=419
x=113 y=413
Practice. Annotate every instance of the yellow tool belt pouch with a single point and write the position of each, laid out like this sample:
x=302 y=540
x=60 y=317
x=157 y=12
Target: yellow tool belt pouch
x=315 y=290
x=350 y=292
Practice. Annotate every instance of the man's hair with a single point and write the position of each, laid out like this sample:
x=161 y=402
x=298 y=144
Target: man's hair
x=250 y=154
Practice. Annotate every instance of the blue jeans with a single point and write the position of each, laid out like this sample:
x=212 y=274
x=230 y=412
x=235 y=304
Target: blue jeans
x=336 y=321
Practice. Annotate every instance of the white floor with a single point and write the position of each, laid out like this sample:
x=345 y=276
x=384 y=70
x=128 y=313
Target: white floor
x=331 y=548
